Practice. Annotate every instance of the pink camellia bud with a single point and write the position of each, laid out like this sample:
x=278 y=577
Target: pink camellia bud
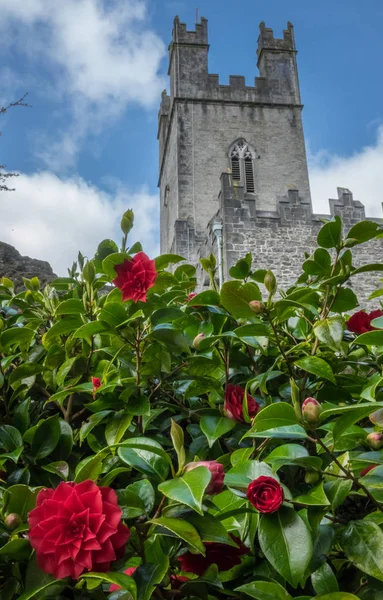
x=257 y=307
x=311 y=410
x=367 y=470
x=375 y=440
x=198 y=339
x=217 y=474
x=13 y=521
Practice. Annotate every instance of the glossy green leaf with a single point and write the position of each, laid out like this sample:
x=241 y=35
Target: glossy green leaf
x=277 y=420
x=206 y=298
x=178 y=439
x=371 y=338
x=286 y=543
x=73 y=306
x=147 y=456
x=124 y=581
x=214 y=426
x=345 y=300
x=65 y=326
x=315 y=497
x=362 y=541
x=109 y=263
x=264 y=590
x=183 y=530
x=330 y=331
x=324 y=580
x=188 y=489
x=330 y=235
x=235 y=297
x=20 y=499
x=316 y=366
x=17 y=549
x=244 y=473
x=362 y=232
x=46 y=437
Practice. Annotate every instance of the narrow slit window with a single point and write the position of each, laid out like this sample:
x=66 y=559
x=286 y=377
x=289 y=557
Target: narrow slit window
x=249 y=175
x=235 y=168
x=241 y=157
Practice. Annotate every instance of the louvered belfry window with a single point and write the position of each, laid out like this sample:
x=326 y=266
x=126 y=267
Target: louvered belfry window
x=241 y=157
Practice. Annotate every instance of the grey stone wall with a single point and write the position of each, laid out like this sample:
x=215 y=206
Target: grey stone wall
x=278 y=240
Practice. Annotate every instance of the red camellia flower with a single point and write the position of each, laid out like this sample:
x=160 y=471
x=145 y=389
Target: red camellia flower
x=265 y=493
x=114 y=587
x=177 y=580
x=135 y=277
x=360 y=322
x=224 y=556
x=233 y=403
x=217 y=474
x=367 y=470
x=75 y=528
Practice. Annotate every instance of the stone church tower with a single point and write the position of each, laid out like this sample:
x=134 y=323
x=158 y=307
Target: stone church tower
x=252 y=139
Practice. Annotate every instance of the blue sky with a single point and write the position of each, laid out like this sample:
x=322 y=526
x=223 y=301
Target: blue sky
x=94 y=70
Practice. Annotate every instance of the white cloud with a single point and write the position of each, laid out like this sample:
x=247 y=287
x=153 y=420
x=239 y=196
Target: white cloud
x=51 y=218
x=100 y=55
x=362 y=173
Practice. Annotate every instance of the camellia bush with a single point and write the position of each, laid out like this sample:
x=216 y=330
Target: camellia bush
x=161 y=443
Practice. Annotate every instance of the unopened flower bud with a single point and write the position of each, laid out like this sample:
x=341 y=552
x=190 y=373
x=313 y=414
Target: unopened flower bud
x=311 y=410
x=377 y=417
x=312 y=477
x=270 y=282
x=13 y=521
x=198 y=339
x=257 y=307
x=375 y=440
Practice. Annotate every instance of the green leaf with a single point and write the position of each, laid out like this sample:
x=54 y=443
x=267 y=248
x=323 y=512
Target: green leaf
x=105 y=248
x=177 y=435
x=60 y=468
x=210 y=529
x=235 y=297
x=59 y=397
x=188 y=489
x=316 y=497
x=46 y=437
x=17 y=549
x=362 y=232
x=148 y=576
x=286 y=543
x=90 y=467
x=371 y=338
x=23 y=372
x=241 y=269
x=357 y=413
x=362 y=541
x=316 y=366
x=92 y=328
x=324 y=581
x=214 y=426
x=20 y=499
x=124 y=581
x=207 y=298
x=264 y=590
x=330 y=235
x=16 y=336
x=108 y=264
x=165 y=260
x=92 y=422
x=117 y=426
x=147 y=456
x=368 y=268
x=330 y=331
x=319 y=263
x=244 y=473
x=65 y=326
x=10 y=438
x=276 y=420
x=183 y=530
x=345 y=300
x=73 y=306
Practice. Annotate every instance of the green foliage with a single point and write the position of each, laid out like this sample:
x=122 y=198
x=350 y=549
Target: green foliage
x=161 y=405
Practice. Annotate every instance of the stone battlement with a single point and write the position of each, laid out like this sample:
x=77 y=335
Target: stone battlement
x=267 y=41
x=181 y=35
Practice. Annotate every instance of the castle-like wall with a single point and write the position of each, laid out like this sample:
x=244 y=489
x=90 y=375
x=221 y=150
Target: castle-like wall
x=278 y=240
x=200 y=120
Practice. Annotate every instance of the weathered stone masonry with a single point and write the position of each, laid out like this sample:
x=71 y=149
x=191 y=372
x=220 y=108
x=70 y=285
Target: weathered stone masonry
x=200 y=122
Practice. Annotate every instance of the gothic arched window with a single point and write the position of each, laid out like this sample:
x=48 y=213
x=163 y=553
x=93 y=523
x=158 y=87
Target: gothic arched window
x=241 y=156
